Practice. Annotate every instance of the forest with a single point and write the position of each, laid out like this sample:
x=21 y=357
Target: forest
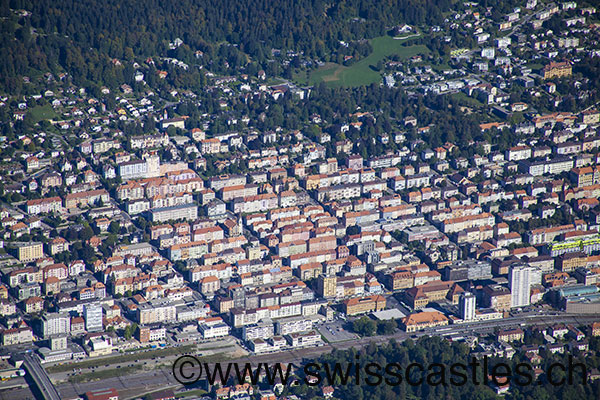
x=81 y=38
x=435 y=350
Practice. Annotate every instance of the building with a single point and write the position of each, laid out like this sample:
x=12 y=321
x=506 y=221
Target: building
x=27 y=252
x=212 y=328
x=466 y=306
x=262 y=330
x=361 y=305
x=17 y=336
x=520 y=279
x=146 y=334
x=326 y=286
x=102 y=394
x=511 y=335
x=44 y=205
x=84 y=199
x=311 y=338
x=497 y=297
x=557 y=70
x=56 y=324
x=187 y=212
x=427 y=319
x=290 y=325
x=155 y=311
x=92 y=314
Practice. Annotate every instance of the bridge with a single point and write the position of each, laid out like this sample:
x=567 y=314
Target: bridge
x=39 y=376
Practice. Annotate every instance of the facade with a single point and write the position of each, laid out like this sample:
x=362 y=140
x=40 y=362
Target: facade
x=28 y=252
x=92 y=314
x=557 y=70
x=44 y=205
x=361 y=305
x=56 y=324
x=466 y=306
x=521 y=278
x=427 y=319
x=186 y=212
x=154 y=312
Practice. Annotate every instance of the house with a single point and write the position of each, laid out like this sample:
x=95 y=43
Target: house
x=511 y=335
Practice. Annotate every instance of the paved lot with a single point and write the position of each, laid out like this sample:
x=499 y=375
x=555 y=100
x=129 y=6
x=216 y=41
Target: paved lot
x=334 y=332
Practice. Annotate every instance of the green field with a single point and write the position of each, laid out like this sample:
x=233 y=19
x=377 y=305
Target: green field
x=362 y=72
x=467 y=100
x=40 y=113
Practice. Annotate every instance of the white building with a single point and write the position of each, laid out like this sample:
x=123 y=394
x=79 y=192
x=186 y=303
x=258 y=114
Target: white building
x=466 y=306
x=55 y=324
x=520 y=280
x=211 y=328
x=92 y=314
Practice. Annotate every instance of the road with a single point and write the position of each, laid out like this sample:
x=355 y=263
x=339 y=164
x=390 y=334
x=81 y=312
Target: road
x=39 y=376
x=163 y=377
x=144 y=380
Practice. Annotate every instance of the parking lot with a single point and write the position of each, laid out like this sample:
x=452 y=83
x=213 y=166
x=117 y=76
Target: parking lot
x=334 y=332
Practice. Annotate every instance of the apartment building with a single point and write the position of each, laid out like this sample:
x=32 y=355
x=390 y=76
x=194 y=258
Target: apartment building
x=339 y=192
x=461 y=223
x=219 y=182
x=585 y=176
x=187 y=212
x=361 y=305
x=252 y=204
x=45 y=205
x=84 y=199
x=156 y=311
x=186 y=251
x=27 y=252
x=518 y=153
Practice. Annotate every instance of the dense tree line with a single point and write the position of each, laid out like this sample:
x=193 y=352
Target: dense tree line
x=82 y=37
x=429 y=351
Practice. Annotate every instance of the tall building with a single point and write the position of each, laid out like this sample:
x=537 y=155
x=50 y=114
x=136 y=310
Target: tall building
x=152 y=164
x=520 y=280
x=326 y=285
x=466 y=305
x=56 y=324
x=92 y=314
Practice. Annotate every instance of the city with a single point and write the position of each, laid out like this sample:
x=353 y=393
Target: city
x=431 y=180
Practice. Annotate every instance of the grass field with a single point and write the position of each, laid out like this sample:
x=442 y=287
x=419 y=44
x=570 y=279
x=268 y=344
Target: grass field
x=362 y=72
x=40 y=113
x=465 y=99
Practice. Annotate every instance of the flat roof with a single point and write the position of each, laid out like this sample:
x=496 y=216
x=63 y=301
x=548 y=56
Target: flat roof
x=392 y=313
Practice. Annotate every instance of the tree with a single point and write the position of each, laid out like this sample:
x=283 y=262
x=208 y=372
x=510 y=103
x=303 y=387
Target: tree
x=114 y=227
x=364 y=326
x=386 y=327
x=86 y=233
x=130 y=331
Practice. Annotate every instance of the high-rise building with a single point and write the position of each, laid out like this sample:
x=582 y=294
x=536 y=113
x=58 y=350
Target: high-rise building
x=520 y=280
x=92 y=314
x=56 y=324
x=466 y=305
x=326 y=285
